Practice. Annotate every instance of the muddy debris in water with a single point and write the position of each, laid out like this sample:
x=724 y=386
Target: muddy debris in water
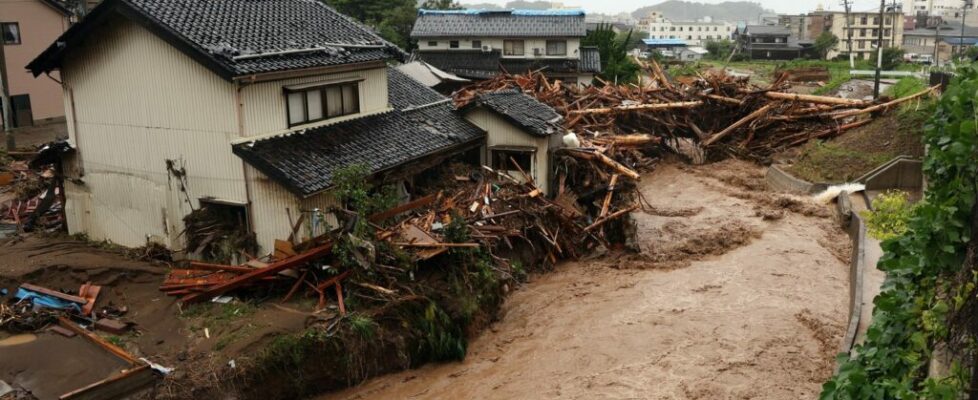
x=826 y=333
x=692 y=244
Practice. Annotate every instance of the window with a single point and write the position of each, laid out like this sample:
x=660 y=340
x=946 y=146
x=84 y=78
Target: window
x=432 y=44
x=513 y=47
x=476 y=44
x=10 y=32
x=556 y=47
x=862 y=21
x=502 y=160
x=862 y=32
x=322 y=102
x=453 y=44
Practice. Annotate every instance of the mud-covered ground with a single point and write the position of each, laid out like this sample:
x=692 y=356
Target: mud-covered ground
x=738 y=293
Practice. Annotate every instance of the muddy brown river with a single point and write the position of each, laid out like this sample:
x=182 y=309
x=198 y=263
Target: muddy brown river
x=738 y=293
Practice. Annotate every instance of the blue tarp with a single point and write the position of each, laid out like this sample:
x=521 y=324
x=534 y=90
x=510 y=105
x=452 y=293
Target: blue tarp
x=528 y=13
x=43 y=300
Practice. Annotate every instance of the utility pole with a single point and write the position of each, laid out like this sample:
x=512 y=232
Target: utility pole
x=964 y=12
x=848 y=7
x=879 y=52
x=937 y=46
x=5 y=98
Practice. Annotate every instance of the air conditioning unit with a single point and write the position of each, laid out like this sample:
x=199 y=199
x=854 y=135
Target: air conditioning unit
x=486 y=48
x=537 y=52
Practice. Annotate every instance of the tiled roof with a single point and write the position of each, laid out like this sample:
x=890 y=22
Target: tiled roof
x=774 y=30
x=482 y=65
x=305 y=161
x=590 y=60
x=505 y=23
x=522 y=110
x=239 y=37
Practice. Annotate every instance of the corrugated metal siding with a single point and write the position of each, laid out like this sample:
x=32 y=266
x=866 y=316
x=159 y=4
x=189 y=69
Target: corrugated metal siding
x=264 y=102
x=502 y=133
x=140 y=102
x=273 y=207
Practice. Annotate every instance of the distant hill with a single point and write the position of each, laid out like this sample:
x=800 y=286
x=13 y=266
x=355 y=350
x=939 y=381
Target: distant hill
x=731 y=11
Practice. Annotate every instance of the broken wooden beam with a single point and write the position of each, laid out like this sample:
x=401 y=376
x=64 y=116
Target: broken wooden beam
x=808 y=98
x=418 y=203
x=257 y=274
x=54 y=293
x=610 y=217
x=638 y=107
x=607 y=197
x=594 y=155
x=633 y=140
x=884 y=106
x=441 y=244
x=749 y=117
x=202 y=266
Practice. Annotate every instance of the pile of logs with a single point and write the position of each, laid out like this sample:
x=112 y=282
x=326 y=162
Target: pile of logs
x=725 y=115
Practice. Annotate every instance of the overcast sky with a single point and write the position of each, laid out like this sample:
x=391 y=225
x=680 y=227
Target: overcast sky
x=780 y=6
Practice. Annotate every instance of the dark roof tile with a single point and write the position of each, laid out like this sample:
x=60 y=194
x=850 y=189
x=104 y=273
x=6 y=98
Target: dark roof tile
x=505 y=23
x=419 y=126
x=239 y=37
x=522 y=110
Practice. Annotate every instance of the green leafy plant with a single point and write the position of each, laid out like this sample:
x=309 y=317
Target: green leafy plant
x=825 y=42
x=911 y=314
x=616 y=65
x=889 y=216
x=363 y=325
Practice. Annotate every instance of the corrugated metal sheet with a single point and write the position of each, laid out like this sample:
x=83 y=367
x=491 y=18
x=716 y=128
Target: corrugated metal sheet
x=274 y=207
x=502 y=133
x=264 y=105
x=140 y=102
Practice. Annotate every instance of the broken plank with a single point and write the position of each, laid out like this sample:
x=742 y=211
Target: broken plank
x=201 y=266
x=54 y=293
x=421 y=202
x=115 y=386
x=254 y=275
x=613 y=215
x=105 y=344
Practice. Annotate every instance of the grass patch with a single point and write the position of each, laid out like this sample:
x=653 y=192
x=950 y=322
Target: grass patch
x=362 y=325
x=905 y=87
x=831 y=162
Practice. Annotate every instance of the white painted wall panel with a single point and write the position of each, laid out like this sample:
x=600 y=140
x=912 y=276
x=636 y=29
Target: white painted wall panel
x=502 y=133
x=139 y=102
x=264 y=102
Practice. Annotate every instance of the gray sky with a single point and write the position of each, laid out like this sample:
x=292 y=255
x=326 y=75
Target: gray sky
x=781 y=6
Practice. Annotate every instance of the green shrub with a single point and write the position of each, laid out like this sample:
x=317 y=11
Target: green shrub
x=889 y=216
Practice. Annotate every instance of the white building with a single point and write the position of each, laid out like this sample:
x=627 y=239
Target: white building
x=694 y=33
x=943 y=8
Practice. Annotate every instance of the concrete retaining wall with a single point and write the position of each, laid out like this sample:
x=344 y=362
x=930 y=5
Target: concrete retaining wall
x=857 y=266
x=778 y=179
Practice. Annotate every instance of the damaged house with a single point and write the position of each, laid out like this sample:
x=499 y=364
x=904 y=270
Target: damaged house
x=479 y=44
x=250 y=106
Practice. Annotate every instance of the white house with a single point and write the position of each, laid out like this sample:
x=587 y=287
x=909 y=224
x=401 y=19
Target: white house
x=175 y=104
x=694 y=33
x=480 y=44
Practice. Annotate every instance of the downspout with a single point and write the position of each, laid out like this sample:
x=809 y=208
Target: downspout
x=239 y=113
x=80 y=162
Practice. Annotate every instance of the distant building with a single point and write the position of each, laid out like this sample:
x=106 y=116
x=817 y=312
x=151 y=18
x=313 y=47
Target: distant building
x=920 y=43
x=933 y=7
x=694 y=53
x=480 y=44
x=796 y=23
x=766 y=42
x=26 y=29
x=694 y=33
x=864 y=28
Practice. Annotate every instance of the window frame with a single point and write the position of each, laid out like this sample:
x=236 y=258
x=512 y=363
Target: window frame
x=510 y=152
x=432 y=43
x=3 y=29
x=509 y=51
x=477 y=44
x=323 y=90
x=556 y=42
x=453 y=44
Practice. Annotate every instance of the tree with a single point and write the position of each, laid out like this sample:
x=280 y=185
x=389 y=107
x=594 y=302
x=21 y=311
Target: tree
x=440 y=5
x=892 y=56
x=616 y=66
x=393 y=19
x=631 y=42
x=719 y=49
x=824 y=43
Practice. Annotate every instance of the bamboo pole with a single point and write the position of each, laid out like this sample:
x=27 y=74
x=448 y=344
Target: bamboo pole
x=754 y=115
x=613 y=215
x=607 y=196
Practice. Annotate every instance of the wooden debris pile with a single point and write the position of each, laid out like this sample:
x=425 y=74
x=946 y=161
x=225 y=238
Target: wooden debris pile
x=724 y=115
x=486 y=209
